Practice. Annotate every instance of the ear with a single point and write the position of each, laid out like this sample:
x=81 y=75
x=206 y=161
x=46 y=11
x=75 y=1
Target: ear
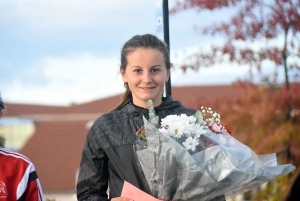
x=168 y=75
x=123 y=75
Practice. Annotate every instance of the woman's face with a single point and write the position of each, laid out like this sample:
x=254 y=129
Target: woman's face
x=146 y=74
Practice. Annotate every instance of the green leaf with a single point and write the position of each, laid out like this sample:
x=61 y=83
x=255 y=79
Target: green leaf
x=198 y=115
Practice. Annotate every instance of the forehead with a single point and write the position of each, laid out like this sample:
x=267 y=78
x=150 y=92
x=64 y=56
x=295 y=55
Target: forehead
x=145 y=55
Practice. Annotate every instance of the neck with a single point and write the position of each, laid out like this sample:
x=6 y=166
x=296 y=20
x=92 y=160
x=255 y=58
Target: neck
x=144 y=104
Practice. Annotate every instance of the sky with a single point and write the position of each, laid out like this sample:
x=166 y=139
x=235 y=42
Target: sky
x=62 y=52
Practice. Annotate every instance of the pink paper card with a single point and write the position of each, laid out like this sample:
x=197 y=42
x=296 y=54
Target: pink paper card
x=130 y=191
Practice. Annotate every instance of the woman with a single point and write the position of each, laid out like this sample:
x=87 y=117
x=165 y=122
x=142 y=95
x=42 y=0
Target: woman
x=108 y=158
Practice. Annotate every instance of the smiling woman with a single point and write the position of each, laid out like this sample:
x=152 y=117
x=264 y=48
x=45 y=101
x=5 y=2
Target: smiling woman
x=145 y=67
x=146 y=75
x=108 y=153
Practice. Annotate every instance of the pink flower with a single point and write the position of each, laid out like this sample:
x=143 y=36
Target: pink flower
x=216 y=128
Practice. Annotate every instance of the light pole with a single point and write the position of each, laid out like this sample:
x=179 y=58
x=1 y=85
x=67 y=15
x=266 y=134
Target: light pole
x=166 y=38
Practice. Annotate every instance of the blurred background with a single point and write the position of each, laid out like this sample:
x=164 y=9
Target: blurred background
x=59 y=71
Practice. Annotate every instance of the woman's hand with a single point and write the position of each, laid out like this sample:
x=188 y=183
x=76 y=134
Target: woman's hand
x=122 y=199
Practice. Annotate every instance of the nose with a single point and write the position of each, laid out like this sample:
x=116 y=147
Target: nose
x=147 y=77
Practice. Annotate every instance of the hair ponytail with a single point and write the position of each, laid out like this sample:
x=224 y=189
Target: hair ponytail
x=127 y=97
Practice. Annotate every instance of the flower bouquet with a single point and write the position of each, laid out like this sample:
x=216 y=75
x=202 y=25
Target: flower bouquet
x=196 y=158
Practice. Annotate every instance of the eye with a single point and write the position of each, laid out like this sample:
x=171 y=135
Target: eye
x=137 y=71
x=155 y=70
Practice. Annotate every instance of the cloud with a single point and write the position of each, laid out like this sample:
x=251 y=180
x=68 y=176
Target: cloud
x=64 y=14
x=73 y=79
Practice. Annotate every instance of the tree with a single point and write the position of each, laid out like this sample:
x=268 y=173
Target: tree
x=254 y=20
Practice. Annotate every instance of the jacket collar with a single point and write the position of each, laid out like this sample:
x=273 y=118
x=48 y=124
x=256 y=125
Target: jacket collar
x=168 y=103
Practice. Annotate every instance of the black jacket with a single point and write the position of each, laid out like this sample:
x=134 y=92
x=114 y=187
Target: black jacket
x=108 y=158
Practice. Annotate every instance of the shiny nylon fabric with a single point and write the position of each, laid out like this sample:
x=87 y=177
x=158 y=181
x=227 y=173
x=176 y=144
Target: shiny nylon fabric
x=232 y=168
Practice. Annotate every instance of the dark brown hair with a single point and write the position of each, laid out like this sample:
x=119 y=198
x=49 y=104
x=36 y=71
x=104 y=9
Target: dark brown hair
x=141 y=41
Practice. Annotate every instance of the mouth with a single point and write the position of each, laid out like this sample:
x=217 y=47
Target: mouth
x=147 y=88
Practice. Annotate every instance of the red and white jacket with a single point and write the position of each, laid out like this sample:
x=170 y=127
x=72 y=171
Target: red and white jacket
x=18 y=178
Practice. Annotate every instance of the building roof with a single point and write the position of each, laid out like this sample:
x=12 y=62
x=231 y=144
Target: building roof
x=14 y=109
x=189 y=95
x=55 y=149
x=95 y=106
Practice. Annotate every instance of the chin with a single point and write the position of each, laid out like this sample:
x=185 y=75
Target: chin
x=148 y=98
x=152 y=97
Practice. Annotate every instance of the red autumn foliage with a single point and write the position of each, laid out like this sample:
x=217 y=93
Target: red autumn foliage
x=252 y=20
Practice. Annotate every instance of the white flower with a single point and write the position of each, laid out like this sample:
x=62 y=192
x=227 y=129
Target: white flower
x=178 y=126
x=168 y=120
x=182 y=116
x=192 y=119
x=199 y=130
x=190 y=143
x=176 y=129
x=163 y=130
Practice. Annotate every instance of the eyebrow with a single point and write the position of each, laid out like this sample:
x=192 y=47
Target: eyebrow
x=158 y=65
